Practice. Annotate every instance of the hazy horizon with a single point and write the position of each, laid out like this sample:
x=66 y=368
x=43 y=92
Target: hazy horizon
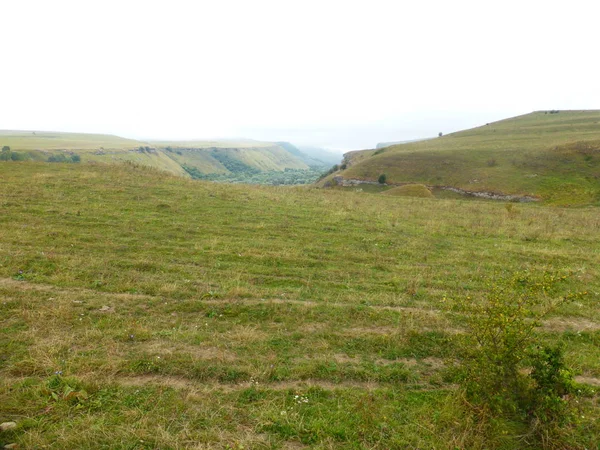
x=331 y=74
x=338 y=139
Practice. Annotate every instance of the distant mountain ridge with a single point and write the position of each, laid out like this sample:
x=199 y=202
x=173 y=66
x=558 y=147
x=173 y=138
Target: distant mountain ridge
x=185 y=158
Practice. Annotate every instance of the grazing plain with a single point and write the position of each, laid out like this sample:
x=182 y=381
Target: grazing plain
x=144 y=310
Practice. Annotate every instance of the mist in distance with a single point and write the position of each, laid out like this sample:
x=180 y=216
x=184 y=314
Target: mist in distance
x=329 y=73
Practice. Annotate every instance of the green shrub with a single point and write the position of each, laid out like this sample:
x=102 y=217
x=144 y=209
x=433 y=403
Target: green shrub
x=16 y=156
x=553 y=382
x=5 y=154
x=382 y=178
x=57 y=158
x=505 y=370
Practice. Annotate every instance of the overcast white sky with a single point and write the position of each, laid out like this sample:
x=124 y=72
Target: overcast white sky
x=341 y=74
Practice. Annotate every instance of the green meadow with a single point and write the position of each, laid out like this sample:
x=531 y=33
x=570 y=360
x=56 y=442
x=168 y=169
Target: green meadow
x=141 y=310
x=551 y=155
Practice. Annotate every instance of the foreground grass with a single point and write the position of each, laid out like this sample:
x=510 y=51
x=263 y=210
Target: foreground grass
x=140 y=310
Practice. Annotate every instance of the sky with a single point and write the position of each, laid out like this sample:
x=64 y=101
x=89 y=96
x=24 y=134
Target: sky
x=343 y=75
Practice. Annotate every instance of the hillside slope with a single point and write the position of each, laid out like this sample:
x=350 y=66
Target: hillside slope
x=179 y=157
x=554 y=156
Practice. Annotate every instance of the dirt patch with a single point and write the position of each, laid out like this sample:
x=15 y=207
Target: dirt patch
x=309 y=303
x=187 y=384
x=588 y=380
x=152 y=380
x=342 y=358
x=200 y=352
x=560 y=324
x=40 y=287
x=433 y=363
x=372 y=330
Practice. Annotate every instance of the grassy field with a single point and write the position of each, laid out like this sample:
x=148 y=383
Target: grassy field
x=143 y=310
x=555 y=157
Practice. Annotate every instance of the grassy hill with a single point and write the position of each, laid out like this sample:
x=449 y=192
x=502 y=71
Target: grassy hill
x=51 y=141
x=143 y=310
x=554 y=156
x=225 y=159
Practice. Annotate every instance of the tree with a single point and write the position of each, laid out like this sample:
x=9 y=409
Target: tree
x=5 y=154
x=440 y=134
x=382 y=178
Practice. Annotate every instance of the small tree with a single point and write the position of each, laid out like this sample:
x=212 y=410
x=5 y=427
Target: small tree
x=506 y=370
x=5 y=155
x=382 y=178
x=440 y=134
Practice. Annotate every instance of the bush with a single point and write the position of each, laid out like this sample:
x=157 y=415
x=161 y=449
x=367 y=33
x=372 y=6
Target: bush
x=382 y=178
x=57 y=158
x=15 y=156
x=5 y=154
x=505 y=370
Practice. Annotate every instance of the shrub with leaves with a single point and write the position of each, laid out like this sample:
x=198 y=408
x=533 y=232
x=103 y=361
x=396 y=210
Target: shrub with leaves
x=505 y=370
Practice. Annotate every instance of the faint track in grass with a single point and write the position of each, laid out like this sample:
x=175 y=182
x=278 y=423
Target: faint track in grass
x=41 y=287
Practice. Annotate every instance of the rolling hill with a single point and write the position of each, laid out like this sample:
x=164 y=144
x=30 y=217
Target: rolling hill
x=552 y=156
x=221 y=159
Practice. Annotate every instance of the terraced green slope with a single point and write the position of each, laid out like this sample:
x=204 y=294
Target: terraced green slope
x=552 y=156
x=223 y=160
x=205 y=157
